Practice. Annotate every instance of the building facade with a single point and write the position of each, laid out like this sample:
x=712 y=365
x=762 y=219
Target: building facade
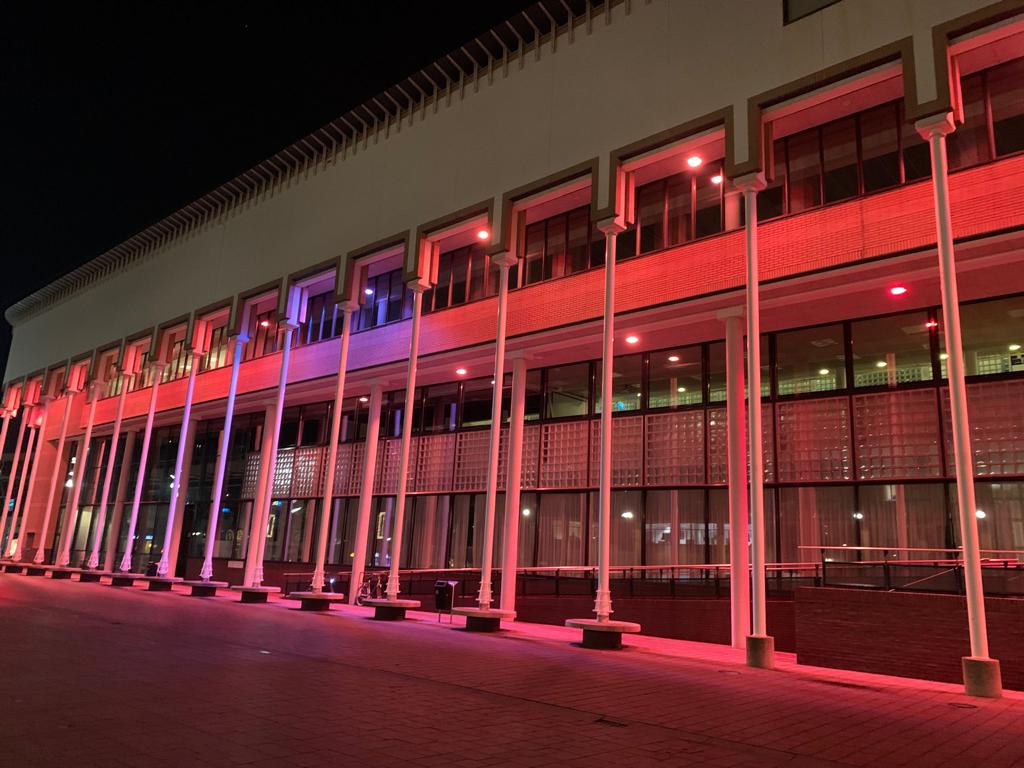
x=192 y=374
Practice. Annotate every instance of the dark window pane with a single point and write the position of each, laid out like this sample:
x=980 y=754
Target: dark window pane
x=891 y=350
x=444 y=279
x=476 y=402
x=534 y=255
x=627 y=391
x=968 y=144
x=477 y=273
x=804 y=171
x=709 y=203
x=439 y=408
x=625 y=246
x=810 y=360
x=880 y=147
x=650 y=209
x=675 y=378
x=917 y=162
x=679 y=209
x=568 y=391
x=460 y=273
x=839 y=141
x=578 y=245
x=716 y=370
x=771 y=200
x=1006 y=91
x=554 y=248
x=993 y=337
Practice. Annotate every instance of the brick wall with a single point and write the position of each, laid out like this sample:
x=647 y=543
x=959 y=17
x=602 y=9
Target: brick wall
x=904 y=634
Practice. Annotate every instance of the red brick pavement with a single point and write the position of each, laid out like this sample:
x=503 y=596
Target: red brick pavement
x=94 y=676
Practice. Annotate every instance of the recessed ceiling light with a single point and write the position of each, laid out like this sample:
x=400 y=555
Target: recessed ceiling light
x=632 y=339
x=460 y=371
x=716 y=179
x=680 y=389
x=364 y=399
x=881 y=364
x=368 y=291
x=482 y=234
x=943 y=356
x=980 y=514
x=264 y=323
x=897 y=290
x=1014 y=347
x=627 y=515
x=673 y=358
x=694 y=161
x=824 y=372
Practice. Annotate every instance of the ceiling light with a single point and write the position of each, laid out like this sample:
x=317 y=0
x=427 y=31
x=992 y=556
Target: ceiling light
x=460 y=371
x=368 y=291
x=694 y=161
x=680 y=389
x=980 y=514
x=897 y=290
x=1014 y=347
x=716 y=179
x=526 y=513
x=364 y=399
x=264 y=323
x=881 y=364
x=482 y=234
x=632 y=339
x=673 y=358
x=858 y=515
x=824 y=372
x=932 y=324
x=943 y=356
x=627 y=515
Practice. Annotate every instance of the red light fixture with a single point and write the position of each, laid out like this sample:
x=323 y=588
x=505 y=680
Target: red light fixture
x=482 y=234
x=460 y=371
x=632 y=339
x=716 y=179
x=897 y=290
x=694 y=161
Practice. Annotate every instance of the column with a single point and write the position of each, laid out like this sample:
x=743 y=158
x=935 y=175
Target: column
x=55 y=477
x=71 y=513
x=981 y=673
x=504 y=261
x=268 y=495
x=403 y=458
x=206 y=572
x=366 y=491
x=140 y=476
x=739 y=552
x=252 y=543
x=760 y=646
x=108 y=475
x=513 y=485
x=26 y=504
x=332 y=451
x=114 y=533
x=179 y=508
x=11 y=480
x=19 y=498
x=163 y=567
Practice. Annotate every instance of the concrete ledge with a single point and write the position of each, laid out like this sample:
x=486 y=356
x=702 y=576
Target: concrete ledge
x=761 y=651
x=483 y=620
x=256 y=594
x=603 y=635
x=162 y=583
x=982 y=677
x=205 y=588
x=317 y=601
x=390 y=610
x=119 y=579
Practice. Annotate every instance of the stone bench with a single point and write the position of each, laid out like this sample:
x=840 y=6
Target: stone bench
x=483 y=620
x=121 y=579
x=15 y=568
x=603 y=635
x=317 y=601
x=91 y=576
x=205 y=588
x=63 y=572
x=162 y=583
x=32 y=569
x=256 y=594
x=390 y=610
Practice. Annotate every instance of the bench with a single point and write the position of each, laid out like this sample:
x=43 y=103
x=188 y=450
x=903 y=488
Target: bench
x=603 y=635
x=317 y=601
x=162 y=583
x=390 y=610
x=256 y=594
x=205 y=588
x=483 y=619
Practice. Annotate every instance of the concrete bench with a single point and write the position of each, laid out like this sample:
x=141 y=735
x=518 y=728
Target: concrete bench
x=121 y=579
x=162 y=583
x=256 y=594
x=317 y=601
x=390 y=610
x=63 y=572
x=603 y=635
x=483 y=620
x=90 y=576
x=36 y=570
x=14 y=568
x=205 y=588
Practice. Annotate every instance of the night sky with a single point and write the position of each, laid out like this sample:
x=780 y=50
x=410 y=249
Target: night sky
x=117 y=113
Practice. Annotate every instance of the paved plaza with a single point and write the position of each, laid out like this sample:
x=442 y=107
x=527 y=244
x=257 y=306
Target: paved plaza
x=92 y=676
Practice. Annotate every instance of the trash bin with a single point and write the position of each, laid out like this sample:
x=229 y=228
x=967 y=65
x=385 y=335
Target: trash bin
x=444 y=595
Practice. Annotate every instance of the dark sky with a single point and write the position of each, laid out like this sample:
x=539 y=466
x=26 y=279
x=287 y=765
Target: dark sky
x=117 y=113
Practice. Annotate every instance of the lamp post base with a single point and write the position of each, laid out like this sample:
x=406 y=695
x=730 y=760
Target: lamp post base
x=982 y=677
x=761 y=651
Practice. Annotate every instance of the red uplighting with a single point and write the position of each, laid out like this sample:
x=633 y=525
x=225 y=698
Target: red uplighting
x=483 y=234
x=897 y=290
x=694 y=161
x=932 y=324
x=264 y=323
x=460 y=371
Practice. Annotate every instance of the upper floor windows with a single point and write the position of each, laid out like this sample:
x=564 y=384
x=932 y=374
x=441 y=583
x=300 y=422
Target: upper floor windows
x=560 y=245
x=386 y=299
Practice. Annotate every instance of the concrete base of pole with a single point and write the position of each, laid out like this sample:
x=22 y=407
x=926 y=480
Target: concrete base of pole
x=603 y=635
x=162 y=583
x=255 y=595
x=390 y=610
x=761 y=651
x=205 y=588
x=982 y=677
x=316 y=601
x=124 y=579
x=483 y=620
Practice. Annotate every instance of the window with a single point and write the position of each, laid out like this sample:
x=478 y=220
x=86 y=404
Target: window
x=716 y=370
x=679 y=511
x=675 y=378
x=993 y=337
x=460 y=278
x=893 y=350
x=476 y=402
x=626 y=526
x=969 y=143
x=879 y=136
x=810 y=360
x=1006 y=92
x=793 y=10
x=676 y=209
x=627 y=389
x=322 y=320
x=811 y=517
x=839 y=151
x=803 y=153
x=438 y=411
x=557 y=246
x=386 y=299
x=568 y=391
x=560 y=529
